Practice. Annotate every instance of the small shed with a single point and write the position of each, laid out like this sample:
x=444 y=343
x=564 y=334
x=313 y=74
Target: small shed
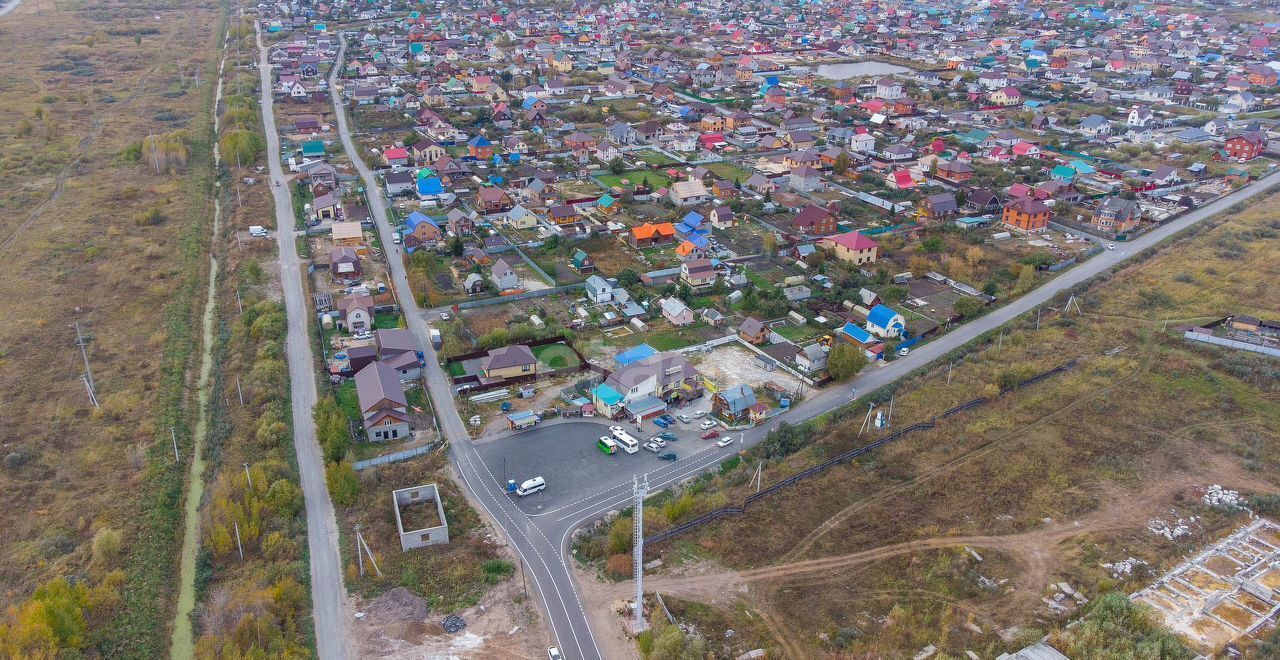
x=420 y=508
x=518 y=421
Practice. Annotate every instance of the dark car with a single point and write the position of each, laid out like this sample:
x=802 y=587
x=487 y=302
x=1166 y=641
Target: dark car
x=710 y=435
x=668 y=457
x=661 y=422
x=668 y=436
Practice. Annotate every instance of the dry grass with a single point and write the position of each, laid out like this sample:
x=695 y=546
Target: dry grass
x=76 y=93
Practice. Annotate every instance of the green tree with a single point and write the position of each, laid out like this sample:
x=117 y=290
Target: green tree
x=842 y=163
x=344 y=484
x=967 y=307
x=770 y=244
x=456 y=246
x=617 y=166
x=628 y=277
x=932 y=245
x=845 y=361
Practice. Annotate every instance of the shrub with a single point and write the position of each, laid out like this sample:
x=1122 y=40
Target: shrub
x=618 y=566
x=344 y=484
x=149 y=218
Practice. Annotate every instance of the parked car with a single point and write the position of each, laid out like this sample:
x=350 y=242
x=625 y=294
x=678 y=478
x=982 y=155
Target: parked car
x=668 y=419
x=684 y=418
x=652 y=447
x=658 y=441
x=904 y=350
x=362 y=335
x=662 y=423
x=670 y=456
x=553 y=653
x=725 y=442
x=668 y=436
x=713 y=433
x=700 y=414
x=444 y=316
x=706 y=424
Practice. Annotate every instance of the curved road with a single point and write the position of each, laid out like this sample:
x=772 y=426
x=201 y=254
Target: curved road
x=327 y=593
x=542 y=540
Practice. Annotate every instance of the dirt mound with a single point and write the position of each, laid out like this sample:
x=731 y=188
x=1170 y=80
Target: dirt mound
x=399 y=604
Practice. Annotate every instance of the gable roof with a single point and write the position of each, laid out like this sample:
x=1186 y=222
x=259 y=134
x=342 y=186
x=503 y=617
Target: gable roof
x=376 y=382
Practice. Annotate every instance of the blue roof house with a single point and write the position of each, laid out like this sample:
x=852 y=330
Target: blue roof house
x=884 y=322
x=635 y=354
x=871 y=346
x=430 y=187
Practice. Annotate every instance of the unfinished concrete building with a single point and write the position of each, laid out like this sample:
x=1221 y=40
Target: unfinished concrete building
x=419 y=508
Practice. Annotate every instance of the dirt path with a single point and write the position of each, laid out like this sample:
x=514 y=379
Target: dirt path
x=841 y=516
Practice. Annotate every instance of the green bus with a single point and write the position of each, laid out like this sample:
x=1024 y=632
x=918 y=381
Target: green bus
x=607 y=445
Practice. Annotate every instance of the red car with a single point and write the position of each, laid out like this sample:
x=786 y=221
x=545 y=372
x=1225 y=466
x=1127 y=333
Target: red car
x=711 y=435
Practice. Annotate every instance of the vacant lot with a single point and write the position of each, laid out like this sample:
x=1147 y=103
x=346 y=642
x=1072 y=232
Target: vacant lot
x=1059 y=482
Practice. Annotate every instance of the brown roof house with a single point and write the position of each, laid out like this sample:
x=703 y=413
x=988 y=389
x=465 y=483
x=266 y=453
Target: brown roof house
x=383 y=407
x=509 y=362
x=344 y=265
x=753 y=331
x=355 y=313
x=698 y=273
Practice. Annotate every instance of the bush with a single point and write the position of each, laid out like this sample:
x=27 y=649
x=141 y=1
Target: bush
x=149 y=218
x=619 y=566
x=107 y=544
x=344 y=484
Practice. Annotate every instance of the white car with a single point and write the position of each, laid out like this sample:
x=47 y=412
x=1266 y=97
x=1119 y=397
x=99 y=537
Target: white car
x=361 y=336
x=652 y=447
x=444 y=316
x=700 y=414
x=553 y=653
x=903 y=351
x=616 y=429
x=725 y=441
x=1111 y=246
x=706 y=424
x=684 y=418
x=658 y=441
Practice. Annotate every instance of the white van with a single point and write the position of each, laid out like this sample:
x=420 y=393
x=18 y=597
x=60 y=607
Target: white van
x=531 y=486
x=258 y=231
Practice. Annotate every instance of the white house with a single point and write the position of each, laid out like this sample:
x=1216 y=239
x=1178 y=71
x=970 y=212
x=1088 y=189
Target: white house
x=598 y=289
x=882 y=321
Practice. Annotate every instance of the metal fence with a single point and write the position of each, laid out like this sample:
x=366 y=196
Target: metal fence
x=393 y=457
x=499 y=300
x=1231 y=343
x=842 y=458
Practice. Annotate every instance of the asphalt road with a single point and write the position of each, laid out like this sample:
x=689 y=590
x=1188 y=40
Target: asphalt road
x=327 y=592
x=541 y=538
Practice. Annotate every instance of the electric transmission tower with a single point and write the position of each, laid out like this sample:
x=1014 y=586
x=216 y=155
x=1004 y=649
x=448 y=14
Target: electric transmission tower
x=639 y=489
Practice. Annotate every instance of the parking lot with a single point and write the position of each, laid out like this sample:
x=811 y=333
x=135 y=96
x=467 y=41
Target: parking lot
x=565 y=455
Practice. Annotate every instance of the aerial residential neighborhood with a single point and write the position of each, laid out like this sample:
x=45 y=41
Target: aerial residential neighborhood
x=643 y=330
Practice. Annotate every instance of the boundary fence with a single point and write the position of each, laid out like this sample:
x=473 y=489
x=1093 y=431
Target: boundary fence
x=844 y=458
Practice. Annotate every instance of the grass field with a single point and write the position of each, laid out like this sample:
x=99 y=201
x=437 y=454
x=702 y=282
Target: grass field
x=656 y=179
x=556 y=356
x=1045 y=484
x=653 y=158
x=94 y=233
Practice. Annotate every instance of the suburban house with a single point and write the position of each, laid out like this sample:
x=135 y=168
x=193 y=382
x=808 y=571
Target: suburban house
x=1245 y=146
x=398 y=349
x=344 y=265
x=493 y=200
x=346 y=234
x=688 y=193
x=812 y=358
x=650 y=234
x=852 y=247
x=355 y=313
x=815 y=221
x=383 y=407
x=939 y=206
x=504 y=277
x=676 y=312
x=733 y=404
x=753 y=331
x=509 y=362
x=1026 y=213
x=882 y=321
x=665 y=376
x=582 y=262
x=598 y=289
x=698 y=273
x=854 y=334
x=955 y=171
x=421 y=230
x=1117 y=215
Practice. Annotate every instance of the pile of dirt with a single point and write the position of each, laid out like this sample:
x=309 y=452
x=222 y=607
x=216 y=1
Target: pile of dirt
x=396 y=605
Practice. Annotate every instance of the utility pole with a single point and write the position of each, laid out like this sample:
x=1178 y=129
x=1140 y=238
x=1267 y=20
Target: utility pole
x=238 y=545
x=367 y=551
x=639 y=489
x=91 y=387
x=239 y=392
x=248 y=476
x=949 y=367
x=1037 y=318
x=174 y=436
x=359 y=551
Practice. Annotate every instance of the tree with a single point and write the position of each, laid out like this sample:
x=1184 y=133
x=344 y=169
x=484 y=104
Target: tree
x=617 y=166
x=628 y=277
x=845 y=361
x=456 y=246
x=344 y=485
x=932 y=245
x=967 y=307
x=842 y=163
x=237 y=145
x=412 y=138
x=771 y=244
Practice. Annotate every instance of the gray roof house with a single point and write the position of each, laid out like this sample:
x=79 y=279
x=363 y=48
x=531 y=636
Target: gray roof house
x=504 y=276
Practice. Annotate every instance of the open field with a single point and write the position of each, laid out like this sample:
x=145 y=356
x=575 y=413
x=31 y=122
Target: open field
x=94 y=231
x=1049 y=484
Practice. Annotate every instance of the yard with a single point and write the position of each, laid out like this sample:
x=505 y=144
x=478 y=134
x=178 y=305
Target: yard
x=653 y=158
x=556 y=356
x=628 y=180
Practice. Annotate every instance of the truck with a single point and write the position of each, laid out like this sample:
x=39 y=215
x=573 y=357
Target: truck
x=436 y=341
